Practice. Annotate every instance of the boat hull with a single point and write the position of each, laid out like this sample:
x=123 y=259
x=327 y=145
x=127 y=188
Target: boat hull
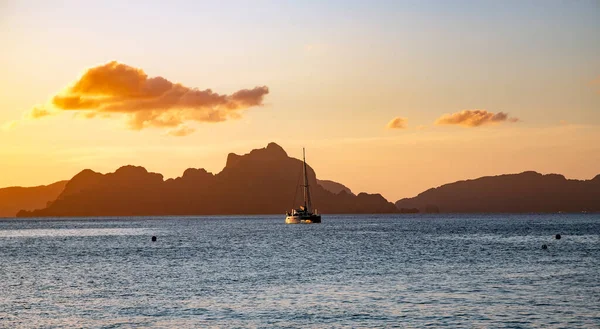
x=296 y=219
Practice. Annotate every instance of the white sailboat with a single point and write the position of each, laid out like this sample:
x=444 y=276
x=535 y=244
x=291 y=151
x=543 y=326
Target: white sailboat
x=303 y=215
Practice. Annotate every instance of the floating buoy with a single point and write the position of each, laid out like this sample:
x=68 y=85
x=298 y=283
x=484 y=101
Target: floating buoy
x=557 y=237
x=544 y=247
x=153 y=239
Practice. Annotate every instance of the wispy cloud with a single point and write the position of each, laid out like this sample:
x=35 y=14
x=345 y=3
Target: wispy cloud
x=10 y=125
x=474 y=118
x=397 y=123
x=181 y=130
x=38 y=112
x=116 y=88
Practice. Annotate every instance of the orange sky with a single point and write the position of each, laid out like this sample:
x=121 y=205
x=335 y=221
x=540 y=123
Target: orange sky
x=390 y=98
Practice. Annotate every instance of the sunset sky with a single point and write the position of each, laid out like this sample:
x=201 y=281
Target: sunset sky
x=390 y=97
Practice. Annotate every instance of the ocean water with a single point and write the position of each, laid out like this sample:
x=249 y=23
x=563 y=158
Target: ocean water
x=408 y=271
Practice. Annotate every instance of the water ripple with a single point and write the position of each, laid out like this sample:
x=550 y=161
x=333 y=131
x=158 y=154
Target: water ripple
x=351 y=271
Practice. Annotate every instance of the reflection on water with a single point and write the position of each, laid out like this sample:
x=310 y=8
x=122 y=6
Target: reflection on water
x=80 y=232
x=406 y=271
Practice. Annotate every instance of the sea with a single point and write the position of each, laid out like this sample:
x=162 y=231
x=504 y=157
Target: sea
x=351 y=271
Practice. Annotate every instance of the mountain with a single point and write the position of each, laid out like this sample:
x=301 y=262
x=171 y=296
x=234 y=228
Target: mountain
x=263 y=181
x=13 y=199
x=525 y=192
x=333 y=187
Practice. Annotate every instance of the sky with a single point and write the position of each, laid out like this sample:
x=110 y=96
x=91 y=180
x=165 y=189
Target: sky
x=390 y=97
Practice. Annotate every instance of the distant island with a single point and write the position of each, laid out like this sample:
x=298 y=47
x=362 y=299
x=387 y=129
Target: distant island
x=262 y=181
x=333 y=187
x=13 y=199
x=516 y=193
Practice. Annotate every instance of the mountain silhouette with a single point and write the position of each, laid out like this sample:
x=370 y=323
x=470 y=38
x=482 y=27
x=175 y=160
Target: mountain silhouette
x=264 y=181
x=13 y=199
x=333 y=187
x=525 y=192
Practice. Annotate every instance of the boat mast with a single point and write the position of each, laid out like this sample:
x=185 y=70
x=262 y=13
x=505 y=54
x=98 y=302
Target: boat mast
x=307 y=204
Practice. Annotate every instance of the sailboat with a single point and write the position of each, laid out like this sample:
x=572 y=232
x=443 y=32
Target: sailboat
x=303 y=215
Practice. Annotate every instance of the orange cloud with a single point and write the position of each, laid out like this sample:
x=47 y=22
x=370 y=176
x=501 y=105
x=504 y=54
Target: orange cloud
x=116 y=88
x=397 y=123
x=474 y=118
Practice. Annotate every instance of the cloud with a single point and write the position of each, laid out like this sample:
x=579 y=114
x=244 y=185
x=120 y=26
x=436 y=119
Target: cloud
x=181 y=130
x=397 y=123
x=10 y=125
x=474 y=118
x=38 y=112
x=116 y=88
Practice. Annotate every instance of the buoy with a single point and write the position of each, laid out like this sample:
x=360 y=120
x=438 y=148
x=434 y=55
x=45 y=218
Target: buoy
x=153 y=238
x=544 y=247
x=557 y=237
